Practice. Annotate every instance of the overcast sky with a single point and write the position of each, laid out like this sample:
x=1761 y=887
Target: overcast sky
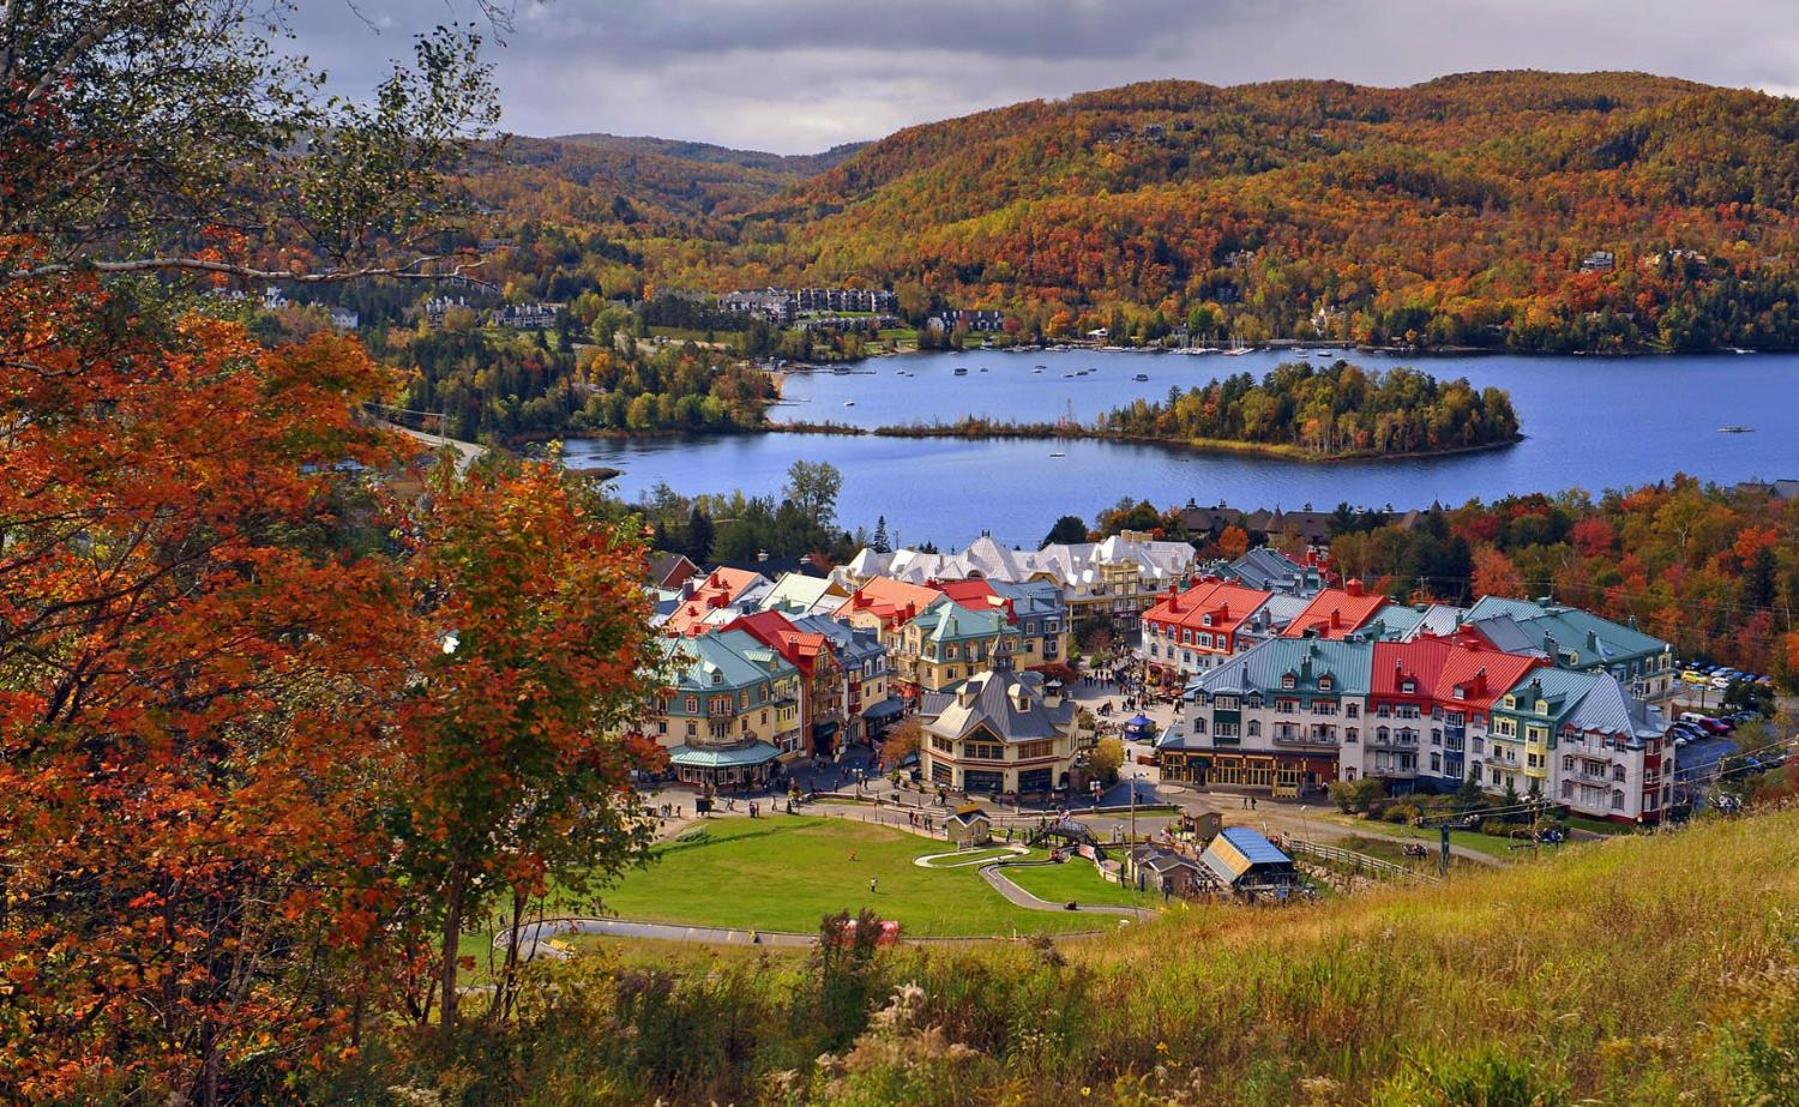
x=797 y=76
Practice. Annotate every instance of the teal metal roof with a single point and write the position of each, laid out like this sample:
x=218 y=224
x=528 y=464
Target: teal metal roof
x=736 y=658
x=723 y=757
x=1308 y=659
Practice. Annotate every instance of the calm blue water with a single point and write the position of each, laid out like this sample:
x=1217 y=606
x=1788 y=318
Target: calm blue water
x=1591 y=423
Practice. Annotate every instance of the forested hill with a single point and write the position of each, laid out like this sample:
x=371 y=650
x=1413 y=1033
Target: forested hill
x=1470 y=210
x=607 y=178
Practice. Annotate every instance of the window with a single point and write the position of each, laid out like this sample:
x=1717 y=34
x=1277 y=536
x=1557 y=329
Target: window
x=1436 y=736
x=693 y=704
x=1353 y=711
x=1351 y=736
x=1045 y=748
x=1409 y=687
x=1617 y=800
x=1617 y=772
x=1567 y=789
x=1567 y=763
x=1436 y=762
x=1199 y=725
x=1382 y=734
x=1325 y=684
x=1255 y=728
x=951 y=673
x=1287 y=681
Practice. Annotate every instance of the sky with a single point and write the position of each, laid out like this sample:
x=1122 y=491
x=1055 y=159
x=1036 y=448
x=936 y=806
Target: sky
x=798 y=76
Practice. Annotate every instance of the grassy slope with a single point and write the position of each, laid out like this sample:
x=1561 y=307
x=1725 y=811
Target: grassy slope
x=1075 y=880
x=1608 y=970
x=785 y=873
x=1640 y=970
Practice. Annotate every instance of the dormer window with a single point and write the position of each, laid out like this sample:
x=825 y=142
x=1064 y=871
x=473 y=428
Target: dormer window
x=1288 y=681
x=1409 y=687
x=1325 y=684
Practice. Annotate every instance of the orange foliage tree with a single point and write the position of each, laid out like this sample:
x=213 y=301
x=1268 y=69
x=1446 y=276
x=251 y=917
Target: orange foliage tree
x=191 y=688
x=514 y=773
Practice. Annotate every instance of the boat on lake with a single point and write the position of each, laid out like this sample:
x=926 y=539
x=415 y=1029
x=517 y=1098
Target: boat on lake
x=849 y=403
x=1141 y=377
x=1057 y=453
x=1735 y=428
x=961 y=370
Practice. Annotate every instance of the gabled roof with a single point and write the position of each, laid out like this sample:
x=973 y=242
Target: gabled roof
x=799 y=594
x=1267 y=568
x=801 y=649
x=1581 y=638
x=1212 y=605
x=948 y=621
x=1479 y=675
x=1335 y=613
x=852 y=646
x=1589 y=701
x=716 y=590
x=1394 y=663
x=1239 y=851
x=1309 y=660
x=1009 y=705
x=669 y=570
x=735 y=657
x=892 y=601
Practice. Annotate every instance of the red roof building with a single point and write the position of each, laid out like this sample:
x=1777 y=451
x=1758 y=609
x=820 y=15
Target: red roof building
x=1335 y=613
x=1190 y=632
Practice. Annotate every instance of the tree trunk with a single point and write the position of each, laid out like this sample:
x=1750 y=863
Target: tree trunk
x=452 y=938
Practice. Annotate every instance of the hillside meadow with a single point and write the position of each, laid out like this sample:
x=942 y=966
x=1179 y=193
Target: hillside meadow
x=1656 y=969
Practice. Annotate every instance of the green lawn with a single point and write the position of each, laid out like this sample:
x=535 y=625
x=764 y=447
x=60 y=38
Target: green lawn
x=1077 y=880
x=785 y=873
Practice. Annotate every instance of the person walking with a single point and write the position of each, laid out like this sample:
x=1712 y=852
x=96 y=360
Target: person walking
x=871 y=885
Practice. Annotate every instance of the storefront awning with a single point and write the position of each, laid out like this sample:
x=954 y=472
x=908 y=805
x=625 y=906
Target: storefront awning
x=723 y=757
x=887 y=709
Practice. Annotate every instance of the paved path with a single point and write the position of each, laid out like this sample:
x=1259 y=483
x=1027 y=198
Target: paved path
x=540 y=934
x=993 y=875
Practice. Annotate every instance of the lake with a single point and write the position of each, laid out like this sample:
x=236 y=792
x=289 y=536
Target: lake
x=1591 y=423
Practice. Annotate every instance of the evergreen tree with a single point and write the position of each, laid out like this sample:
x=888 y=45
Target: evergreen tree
x=699 y=536
x=880 y=543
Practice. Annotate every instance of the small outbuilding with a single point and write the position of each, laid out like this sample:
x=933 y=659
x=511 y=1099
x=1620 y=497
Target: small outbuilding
x=1245 y=862
x=969 y=826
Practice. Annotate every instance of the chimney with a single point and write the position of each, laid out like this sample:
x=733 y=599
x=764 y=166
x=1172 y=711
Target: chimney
x=1550 y=646
x=1480 y=681
x=1336 y=617
x=1174 y=600
x=1224 y=612
x=1355 y=586
x=1592 y=641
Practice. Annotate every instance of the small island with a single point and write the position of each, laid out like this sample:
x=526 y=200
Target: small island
x=1324 y=413
x=1298 y=411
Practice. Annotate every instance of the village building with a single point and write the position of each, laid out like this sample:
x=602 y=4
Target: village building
x=947 y=643
x=1575 y=639
x=1272 y=719
x=1110 y=582
x=1000 y=732
x=1580 y=739
x=731 y=713
x=822 y=709
x=1192 y=631
x=868 y=706
x=1034 y=608
x=1160 y=870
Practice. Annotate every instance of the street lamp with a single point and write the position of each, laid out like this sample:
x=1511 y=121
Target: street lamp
x=1303 y=824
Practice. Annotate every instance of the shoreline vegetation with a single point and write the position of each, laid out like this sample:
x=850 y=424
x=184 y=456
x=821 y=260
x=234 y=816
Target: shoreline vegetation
x=983 y=429
x=1296 y=412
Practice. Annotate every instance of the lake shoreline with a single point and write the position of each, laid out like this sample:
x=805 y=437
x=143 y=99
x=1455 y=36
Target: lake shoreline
x=1263 y=450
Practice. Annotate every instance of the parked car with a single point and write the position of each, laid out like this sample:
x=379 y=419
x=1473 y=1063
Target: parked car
x=1713 y=726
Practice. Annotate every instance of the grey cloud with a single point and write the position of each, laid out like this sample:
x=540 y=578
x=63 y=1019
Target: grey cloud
x=798 y=75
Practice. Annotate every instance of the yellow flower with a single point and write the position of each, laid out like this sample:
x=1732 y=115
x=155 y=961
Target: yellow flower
x=1086 y=1091
x=1161 y=1047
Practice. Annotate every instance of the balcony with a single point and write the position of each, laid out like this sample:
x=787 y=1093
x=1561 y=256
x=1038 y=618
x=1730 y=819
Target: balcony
x=1319 y=741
